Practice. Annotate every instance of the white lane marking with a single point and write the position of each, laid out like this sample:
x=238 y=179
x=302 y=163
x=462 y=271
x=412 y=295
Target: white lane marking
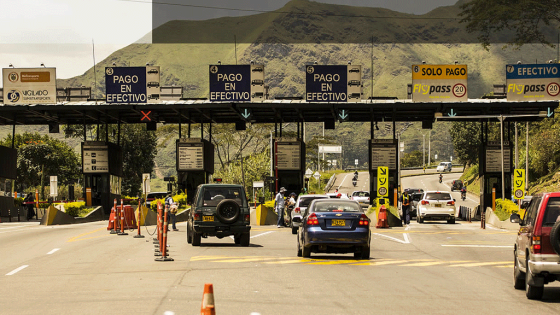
x=406 y=241
x=405 y=235
x=53 y=251
x=16 y=270
x=263 y=234
x=342 y=182
x=487 y=246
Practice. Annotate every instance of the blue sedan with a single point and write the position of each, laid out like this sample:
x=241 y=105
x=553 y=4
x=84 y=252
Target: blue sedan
x=334 y=226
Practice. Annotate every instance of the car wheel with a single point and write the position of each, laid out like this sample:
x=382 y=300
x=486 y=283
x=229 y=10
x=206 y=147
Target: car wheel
x=196 y=237
x=298 y=249
x=555 y=237
x=518 y=275
x=365 y=253
x=237 y=239
x=305 y=251
x=451 y=221
x=227 y=211
x=294 y=229
x=244 y=239
x=532 y=292
x=420 y=220
x=189 y=234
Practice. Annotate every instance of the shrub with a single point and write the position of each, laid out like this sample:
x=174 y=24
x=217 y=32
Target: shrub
x=75 y=208
x=504 y=208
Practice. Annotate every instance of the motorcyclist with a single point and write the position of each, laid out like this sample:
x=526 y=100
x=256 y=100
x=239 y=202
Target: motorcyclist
x=356 y=174
x=463 y=192
x=440 y=177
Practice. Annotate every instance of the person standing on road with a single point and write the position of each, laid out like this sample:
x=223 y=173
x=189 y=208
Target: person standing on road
x=405 y=208
x=29 y=203
x=170 y=214
x=279 y=206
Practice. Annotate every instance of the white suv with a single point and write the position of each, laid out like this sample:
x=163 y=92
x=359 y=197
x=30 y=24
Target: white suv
x=302 y=203
x=436 y=205
x=444 y=166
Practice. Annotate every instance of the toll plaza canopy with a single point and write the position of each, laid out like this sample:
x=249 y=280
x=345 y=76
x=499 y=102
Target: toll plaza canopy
x=268 y=111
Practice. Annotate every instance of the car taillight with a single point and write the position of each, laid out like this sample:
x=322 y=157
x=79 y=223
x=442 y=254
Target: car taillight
x=197 y=216
x=536 y=245
x=312 y=220
x=247 y=218
x=364 y=220
x=297 y=210
x=337 y=210
x=425 y=202
x=451 y=203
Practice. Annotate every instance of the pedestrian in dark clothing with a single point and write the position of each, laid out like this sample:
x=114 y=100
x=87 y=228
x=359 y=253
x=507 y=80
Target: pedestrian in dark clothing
x=30 y=205
x=405 y=208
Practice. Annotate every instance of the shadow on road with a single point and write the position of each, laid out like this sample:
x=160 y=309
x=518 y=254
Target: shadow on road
x=226 y=245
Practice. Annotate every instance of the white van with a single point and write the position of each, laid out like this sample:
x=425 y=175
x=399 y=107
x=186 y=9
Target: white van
x=444 y=166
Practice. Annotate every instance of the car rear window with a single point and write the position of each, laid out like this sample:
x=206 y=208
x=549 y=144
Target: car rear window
x=552 y=212
x=437 y=196
x=212 y=196
x=416 y=197
x=361 y=194
x=304 y=202
x=336 y=207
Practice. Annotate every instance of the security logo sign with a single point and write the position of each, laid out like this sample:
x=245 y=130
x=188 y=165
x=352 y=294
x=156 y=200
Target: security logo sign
x=439 y=83
x=519 y=183
x=538 y=82
x=29 y=85
x=382 y=181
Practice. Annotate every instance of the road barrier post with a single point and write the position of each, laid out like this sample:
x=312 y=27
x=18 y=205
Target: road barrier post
x=114 y=230
x=36 y=204
x=493 y=199
x=395 y=198
x=483 y=219
x=122 y=232
x=470 y=214
x=159 y=244
x=163 y=248
x=139 y=235
x=208 y=307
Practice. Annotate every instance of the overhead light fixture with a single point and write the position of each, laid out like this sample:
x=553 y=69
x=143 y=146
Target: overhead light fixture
x=11 y=65
x=114 y=64
x=376 y=127
x=42 y=65
x=219 y=62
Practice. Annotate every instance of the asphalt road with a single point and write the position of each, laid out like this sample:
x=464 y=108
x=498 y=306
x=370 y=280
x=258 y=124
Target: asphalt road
x=432 y=268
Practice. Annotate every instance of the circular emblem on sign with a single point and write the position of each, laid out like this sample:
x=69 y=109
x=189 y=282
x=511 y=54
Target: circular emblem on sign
x=109 y=71
x=310 y=69
x=14 y=96
x=510 y=68
x=382 y=191
x=214 y=69
x=13 y=76
x=459 y=90
x=553 y=89
x=519 y=193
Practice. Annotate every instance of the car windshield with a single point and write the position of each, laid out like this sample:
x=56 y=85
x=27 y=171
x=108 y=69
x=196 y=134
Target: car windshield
x=305 y=201
x=333 y=206
x=360 y=194
x=437 y=196
x=213 y=195
x=552 y=213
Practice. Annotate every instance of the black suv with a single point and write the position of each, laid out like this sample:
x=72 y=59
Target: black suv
x=415 y=196
x=219 y=210
x=457 y=185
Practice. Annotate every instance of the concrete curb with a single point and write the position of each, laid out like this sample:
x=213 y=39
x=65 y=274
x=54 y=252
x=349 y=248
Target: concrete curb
x=493 y=220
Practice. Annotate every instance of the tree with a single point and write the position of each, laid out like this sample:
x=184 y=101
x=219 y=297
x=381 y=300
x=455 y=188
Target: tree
x=42 y=156
x=412 y=159
x=466 y=141
x=528 y=21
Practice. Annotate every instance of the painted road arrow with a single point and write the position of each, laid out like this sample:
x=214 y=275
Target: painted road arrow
x=452 y=114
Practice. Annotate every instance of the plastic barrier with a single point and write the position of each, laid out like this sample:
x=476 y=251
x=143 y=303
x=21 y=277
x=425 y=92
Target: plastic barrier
x=163 y=246
x=382 y=221
x=128 y=218
x=207 y=307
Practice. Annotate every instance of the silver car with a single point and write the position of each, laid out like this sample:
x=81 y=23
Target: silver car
x=302 y=203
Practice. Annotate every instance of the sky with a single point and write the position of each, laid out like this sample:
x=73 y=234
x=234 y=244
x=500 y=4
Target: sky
x=59 y=33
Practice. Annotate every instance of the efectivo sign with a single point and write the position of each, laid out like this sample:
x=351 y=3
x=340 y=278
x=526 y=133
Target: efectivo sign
x=333 y=83
x=439 y=83
x=538 y=82
x=232 y=83
x=124 y=85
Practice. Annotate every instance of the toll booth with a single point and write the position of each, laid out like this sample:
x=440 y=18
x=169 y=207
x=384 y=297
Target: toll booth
x=8 y=172
x=288 y=163
x=383 y=153
x=195 y=164
x=490 y=171
x=102 y=166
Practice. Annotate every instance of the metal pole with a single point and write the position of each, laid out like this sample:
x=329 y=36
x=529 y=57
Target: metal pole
x=502 y=147
x=515 y=124
x=429 y=148
x=527 y=157
x=423 y=151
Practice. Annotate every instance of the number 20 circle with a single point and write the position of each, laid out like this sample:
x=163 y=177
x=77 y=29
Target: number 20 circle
x=459 y=90
x=553 y=89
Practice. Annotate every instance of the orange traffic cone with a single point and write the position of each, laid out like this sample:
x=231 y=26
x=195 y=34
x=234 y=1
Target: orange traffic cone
x=382 y=218
x=207 y=307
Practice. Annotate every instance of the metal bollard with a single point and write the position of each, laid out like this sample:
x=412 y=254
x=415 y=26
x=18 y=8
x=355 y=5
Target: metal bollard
x=139 y=219
x=470 y=215
x=163 y=248
x=483 y=220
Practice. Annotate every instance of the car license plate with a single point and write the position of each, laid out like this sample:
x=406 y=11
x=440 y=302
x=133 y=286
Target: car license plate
x=208 y=218
x=338 y=223
x=437 y=205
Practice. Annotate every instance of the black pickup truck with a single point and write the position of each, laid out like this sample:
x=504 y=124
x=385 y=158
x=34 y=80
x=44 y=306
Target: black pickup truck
x=219 y=210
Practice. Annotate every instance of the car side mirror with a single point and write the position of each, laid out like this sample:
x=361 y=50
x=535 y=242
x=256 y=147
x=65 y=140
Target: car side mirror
x=296 y=219
x=524 y=205
x=514 y=218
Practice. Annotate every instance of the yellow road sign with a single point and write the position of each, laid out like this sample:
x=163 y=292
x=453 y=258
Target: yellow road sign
x=383 y=181
x=519 y=183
